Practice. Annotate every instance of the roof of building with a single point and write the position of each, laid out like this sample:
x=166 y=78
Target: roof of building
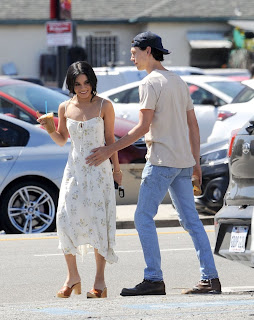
x=131 y=11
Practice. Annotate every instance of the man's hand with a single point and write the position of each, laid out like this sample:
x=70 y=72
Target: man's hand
x=198 y=172
x=99 y=155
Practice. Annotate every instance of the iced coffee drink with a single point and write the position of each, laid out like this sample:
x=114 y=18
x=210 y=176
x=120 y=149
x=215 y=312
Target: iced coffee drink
x=50 y=124
x=196 y=186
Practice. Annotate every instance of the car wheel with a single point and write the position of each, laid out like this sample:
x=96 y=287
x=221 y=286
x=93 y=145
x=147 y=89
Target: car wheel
x=29 y=207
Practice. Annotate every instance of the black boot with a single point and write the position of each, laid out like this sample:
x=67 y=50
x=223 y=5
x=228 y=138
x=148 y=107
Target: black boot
x=147 y=287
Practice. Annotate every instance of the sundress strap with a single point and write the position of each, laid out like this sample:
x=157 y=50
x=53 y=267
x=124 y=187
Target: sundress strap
x=101 y=107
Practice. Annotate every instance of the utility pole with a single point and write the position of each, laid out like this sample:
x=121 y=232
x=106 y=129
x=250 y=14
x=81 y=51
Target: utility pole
x=60 y=10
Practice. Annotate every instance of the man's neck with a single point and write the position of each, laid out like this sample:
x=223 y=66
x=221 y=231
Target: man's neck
x=154 y=65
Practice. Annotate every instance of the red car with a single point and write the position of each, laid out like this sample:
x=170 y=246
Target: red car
x=21 y=99
x=136 y=152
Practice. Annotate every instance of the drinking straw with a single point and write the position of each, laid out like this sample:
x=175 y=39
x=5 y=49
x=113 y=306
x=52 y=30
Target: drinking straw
x=46 y=107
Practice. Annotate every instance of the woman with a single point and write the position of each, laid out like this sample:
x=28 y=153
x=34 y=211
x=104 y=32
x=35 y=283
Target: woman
x=86 y=208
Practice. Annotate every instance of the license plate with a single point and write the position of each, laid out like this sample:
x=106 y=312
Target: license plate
x=238 y=239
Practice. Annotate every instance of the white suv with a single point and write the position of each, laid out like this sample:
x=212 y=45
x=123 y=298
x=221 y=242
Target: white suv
x=234 y=115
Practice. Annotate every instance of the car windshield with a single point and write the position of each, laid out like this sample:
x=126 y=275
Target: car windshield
x=245 y=95
x=35 y=96
x=230 y=88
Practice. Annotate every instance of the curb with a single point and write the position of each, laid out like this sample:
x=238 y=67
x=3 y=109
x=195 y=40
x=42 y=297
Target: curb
x=162 y=223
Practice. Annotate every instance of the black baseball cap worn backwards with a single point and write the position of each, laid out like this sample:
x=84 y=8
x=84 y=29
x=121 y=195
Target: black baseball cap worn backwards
x=149 y=39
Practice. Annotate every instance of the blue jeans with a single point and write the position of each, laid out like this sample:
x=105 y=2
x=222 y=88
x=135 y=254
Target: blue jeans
x=156 y=181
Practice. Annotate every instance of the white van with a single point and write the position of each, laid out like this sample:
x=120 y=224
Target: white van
x=109 y=78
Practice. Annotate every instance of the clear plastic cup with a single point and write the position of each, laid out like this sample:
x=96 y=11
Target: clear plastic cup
x=196 y=186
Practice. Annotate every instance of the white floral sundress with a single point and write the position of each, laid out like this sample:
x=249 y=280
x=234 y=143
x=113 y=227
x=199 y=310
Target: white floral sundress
x=86 y=214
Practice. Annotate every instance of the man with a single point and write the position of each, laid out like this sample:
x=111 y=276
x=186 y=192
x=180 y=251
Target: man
x=172 y=137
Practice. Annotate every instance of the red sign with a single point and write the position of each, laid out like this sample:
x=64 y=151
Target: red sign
x=58 y=27
x=59 y=33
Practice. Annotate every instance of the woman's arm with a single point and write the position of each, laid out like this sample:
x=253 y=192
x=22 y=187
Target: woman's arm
x=109 y=123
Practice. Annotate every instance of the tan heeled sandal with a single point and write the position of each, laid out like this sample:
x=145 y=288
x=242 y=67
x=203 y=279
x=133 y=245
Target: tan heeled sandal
x=96 y=293
x=65 y=291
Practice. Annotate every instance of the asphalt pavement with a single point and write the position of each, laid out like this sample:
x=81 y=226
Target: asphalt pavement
x=32 y=270
x=166 y=217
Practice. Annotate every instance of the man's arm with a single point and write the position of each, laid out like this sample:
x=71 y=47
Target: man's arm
x=101 y=154
x=194 y=138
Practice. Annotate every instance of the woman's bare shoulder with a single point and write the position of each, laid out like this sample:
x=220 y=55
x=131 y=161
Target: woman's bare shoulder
x=106 y=103
x=63 y=105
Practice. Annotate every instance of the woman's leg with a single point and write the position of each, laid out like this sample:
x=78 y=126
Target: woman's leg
x=73 y=276
x=72 y=281
x=99 y=282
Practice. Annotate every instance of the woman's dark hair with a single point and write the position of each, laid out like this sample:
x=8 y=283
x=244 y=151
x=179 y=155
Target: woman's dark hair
x=77 y=68
x=157 y=54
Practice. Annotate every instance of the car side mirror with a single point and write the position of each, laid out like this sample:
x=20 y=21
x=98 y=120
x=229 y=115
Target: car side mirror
x=208 y=101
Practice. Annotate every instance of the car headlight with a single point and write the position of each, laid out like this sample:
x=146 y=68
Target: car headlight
x=214 y=157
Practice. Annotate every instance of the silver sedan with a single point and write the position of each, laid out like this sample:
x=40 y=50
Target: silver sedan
x=31 y=170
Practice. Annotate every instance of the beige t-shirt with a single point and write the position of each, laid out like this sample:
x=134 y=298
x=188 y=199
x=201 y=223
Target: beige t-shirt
x=168 y=138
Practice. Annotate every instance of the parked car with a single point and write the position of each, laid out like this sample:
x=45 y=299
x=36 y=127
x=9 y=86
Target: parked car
x=234 y=221
x=31 y=172
x=65 y=92
x=207 y=93
x=234 y=115
x=136 y=152
x=215 y=176
x=36 y=81
x=21 y=99
x=246 y=94
x=232 y=73
x=186 y=70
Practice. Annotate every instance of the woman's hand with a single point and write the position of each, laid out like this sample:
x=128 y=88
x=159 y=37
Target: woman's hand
x=47 y=122
x=42 y=122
